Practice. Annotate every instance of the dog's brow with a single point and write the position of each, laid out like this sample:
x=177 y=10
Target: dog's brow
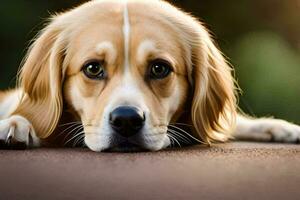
x=108 y=50
x=126 y=33
x=145 y=48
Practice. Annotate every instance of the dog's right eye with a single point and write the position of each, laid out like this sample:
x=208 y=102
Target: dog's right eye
x=160 y=69
x=94 y=70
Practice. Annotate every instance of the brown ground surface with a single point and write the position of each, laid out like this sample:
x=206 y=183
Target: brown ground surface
x=227 y=171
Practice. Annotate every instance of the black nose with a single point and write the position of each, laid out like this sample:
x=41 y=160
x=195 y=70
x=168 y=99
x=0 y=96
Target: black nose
x=126 y=120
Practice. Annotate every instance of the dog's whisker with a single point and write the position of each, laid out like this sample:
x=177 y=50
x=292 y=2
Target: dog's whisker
x=70 y=127
x=183 y=131
x=66 y=124
x=171 y=141
x=179 y=139
x=64 y=131
x=181 y=124
x=74 y=137
x=170 y=145
x=174 y=138
x=183 y=137
x=78 y=140
x=187 y=139
x=82 y=143
x=75 y=141
x=76 y=130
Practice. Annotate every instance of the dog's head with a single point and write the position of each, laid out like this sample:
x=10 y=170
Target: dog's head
x=129 y=70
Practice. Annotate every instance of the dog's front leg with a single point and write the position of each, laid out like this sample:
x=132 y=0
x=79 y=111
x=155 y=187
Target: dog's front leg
x=266 y=129
x=16 y=132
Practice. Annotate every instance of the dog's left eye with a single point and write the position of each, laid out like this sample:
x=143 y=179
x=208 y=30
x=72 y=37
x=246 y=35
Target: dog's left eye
x=160 y=69
x=94 y=70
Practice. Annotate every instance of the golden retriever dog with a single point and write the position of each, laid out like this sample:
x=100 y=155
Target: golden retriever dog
x=128 y=75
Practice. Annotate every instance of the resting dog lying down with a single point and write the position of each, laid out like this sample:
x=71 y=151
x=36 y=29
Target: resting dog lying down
x=128 y=75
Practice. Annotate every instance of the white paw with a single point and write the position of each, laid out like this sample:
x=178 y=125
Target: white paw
x=17 y=132
x=279 y=130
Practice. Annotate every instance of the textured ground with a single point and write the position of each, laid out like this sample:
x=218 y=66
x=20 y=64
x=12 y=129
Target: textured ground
x=227 y=171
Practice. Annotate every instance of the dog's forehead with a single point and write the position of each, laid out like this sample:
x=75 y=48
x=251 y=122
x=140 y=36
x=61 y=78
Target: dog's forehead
x=125 y=27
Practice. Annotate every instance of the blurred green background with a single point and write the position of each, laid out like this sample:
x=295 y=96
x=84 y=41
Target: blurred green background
x=260 y=37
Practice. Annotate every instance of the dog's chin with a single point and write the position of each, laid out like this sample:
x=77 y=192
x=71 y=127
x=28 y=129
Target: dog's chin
x=126 y=147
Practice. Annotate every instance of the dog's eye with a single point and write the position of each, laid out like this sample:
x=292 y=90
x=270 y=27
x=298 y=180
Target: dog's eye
x=160 y=69
x=94 y=70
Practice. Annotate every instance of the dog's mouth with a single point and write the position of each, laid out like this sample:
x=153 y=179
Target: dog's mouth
x=126 y=146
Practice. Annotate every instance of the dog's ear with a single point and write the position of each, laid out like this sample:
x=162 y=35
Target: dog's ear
x=213 y=109
x=41 y=81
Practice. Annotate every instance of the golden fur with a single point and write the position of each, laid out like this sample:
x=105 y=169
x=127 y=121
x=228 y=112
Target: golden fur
x=42 y=73
x=52 y=81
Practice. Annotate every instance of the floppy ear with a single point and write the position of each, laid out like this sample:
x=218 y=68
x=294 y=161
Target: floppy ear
x=214 y=102
x=41 y=81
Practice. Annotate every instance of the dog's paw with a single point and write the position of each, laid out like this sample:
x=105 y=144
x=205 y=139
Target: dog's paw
x=17 y=132
x=266 y=130
x=282 y=131
x=273 y=130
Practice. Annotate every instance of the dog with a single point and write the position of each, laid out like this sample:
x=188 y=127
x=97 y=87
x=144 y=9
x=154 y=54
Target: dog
x=128 y=76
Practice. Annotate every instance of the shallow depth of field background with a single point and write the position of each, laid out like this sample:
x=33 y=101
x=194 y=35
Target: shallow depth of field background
x=260 y=37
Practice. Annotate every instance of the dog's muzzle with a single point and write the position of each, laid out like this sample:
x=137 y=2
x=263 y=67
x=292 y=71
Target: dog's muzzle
x=127 y=121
